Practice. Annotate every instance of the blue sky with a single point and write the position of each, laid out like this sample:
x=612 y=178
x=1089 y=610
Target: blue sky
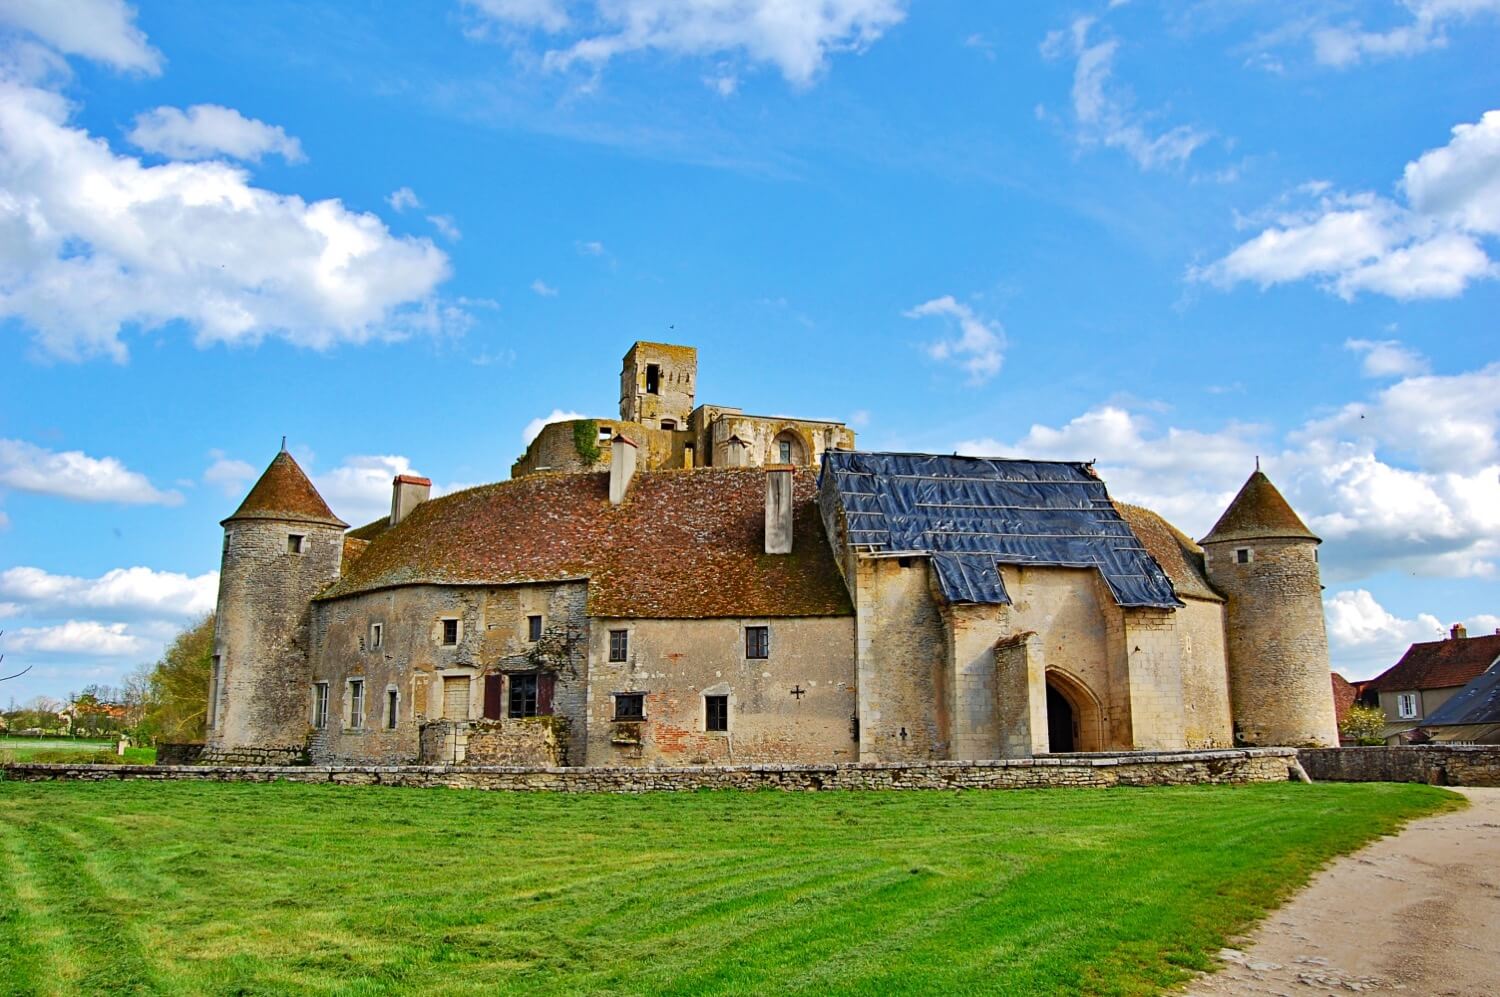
x=1167 y=237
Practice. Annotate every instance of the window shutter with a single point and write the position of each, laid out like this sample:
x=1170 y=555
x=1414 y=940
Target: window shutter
x=544 y=683
x=493 y=700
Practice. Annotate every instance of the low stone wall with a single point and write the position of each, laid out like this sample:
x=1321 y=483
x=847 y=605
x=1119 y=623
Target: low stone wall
x=1438 y=764
x=178 y=754
x=533 y=742
x=1098 y=771
x=252 y=756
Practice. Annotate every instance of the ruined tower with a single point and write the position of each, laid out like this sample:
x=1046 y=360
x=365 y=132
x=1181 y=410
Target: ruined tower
x=1264 y=560
x=281 y=547
x=657 y=383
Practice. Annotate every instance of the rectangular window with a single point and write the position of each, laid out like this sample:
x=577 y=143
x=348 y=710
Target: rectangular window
x=320 y=705
x=785 y=453
x=605 y=433
x=669 y=424
x=294 y=543
x=456 y=697
x=716 y=713
x=392 y=701
x=757 y=642
x=523 y=698
x=356 y=704
x=450 y=633
x=212 y=718
x=1242 y=555
x=630 y=706
x=653 y=379
x=619 y=645
x=1406 y=706
x=377 y=635
x=533 y=628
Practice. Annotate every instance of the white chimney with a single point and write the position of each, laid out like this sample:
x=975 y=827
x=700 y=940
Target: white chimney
x=621 y=467
x=407 y=492
x=779 y=510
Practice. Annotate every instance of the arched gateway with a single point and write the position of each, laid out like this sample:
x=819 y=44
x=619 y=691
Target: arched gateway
x=1074 y=720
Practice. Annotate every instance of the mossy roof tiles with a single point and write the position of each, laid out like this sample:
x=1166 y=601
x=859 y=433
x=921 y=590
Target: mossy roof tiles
x=1174 y=550
x=685 y=544
x=285 y=493
x=1258 y=512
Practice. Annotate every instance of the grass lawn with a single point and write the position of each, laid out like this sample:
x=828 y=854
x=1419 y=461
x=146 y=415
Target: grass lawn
x=69 y=750
x=207 y=888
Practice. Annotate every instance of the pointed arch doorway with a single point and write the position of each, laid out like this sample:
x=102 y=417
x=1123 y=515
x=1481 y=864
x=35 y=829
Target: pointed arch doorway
x=1074 y=720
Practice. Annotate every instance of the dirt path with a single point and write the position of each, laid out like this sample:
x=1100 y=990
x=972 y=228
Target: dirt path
x=1419 y=912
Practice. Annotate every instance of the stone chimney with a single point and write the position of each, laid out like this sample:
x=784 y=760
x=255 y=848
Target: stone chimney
x=621 y=467
x=407 y=492
x=1458 y=632
x=779 y=510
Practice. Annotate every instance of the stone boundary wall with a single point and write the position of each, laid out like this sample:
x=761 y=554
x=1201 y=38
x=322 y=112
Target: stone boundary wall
x=184 y=753
x=1098 y=771
x=1438 y=764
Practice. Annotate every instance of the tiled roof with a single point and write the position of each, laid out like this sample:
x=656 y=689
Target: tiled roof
x=1258 y=512
x=1344 y=695
x=1174 y=550
x=685 y=544
x=284 y=492
x=1478 y=702
x=1440 y=664
x=370 y=531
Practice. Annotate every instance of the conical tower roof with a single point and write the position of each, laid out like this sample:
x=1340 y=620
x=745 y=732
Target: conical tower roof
x=1259 y=512
x=284 y=492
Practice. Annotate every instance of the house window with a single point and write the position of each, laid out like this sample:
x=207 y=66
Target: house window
x=669 y=424
x=294 y=543
x=1406 y=706
x=392 y=701
x=784 y=451
x=630 y=706
x=214 y=676
x=450 y=632
x=716 y=713
x=619 y=645
x=356 y=704
x=757 y=642
x=523 y=696
x=320 y=705
x=653 y=379
x=533 y=628
x=605 y=433
x=1242 y=555
x=377 y=635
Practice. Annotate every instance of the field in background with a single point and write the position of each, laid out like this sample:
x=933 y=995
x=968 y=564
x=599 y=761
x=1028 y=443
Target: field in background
x=237 y=888
x=70 y=750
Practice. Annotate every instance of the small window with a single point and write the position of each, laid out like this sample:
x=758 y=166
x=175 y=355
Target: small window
x=757 y=642
x=356 y=704
x=1242 y=555
x=320 y=705
x=784 y=451
x=605 y=433
x=294 y=543
x=450 y=632
x=392 y=701
x=377 y=635
x=619 y=645
x=716 y=713
x=1406 y=706
x=533 y=628
x=630 y=706
x=669 y=424
x=522 y=696
x=653 y=379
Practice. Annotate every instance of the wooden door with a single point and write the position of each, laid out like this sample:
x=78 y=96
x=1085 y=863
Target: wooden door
x=456 y=697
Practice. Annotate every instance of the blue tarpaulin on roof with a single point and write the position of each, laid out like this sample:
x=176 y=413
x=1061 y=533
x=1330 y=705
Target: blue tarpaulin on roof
x=971 y=514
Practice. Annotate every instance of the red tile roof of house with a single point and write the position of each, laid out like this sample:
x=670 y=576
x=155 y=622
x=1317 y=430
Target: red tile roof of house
x=1440 y=664
x=1258 y=512
x=284 y=492
x=685 y=544
x=1344 y=695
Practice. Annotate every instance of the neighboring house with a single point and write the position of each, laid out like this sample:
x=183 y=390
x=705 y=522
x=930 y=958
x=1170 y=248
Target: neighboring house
x=1344 y=696
x=1472 y=714
x=1428 y=675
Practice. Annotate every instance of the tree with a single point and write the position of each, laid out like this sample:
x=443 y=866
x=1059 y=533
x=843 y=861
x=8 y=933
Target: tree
x=173 y=694
x=1364 y=724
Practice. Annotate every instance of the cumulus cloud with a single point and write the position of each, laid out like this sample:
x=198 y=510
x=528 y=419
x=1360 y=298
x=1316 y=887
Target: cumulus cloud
x=1429 y=247
x=446 y=227
x=544 y=289
x=73 y=474
x=1350 y=43
x=85 y=637
x=205 y=131
x=979 y=346
x=133 y=592
x=1387 y=357
x=230 y=476
x=403 y=198
x=101 y=30
x=1364 y=638
x=1105 y=112
x=796 y=38
x=535 y=426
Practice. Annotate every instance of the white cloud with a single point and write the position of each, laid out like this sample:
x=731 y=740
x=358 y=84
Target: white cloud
x=590 y=248
x=230 y=476
x=359 y=490
x=543 y=288
x=1351 y=243
x=137 y=591
x=795 y=37
x=1387 y=357
x=102 y=30
x=86 y=637
x=534 y=427
x=1348 y=44
x=73 y=474
x=859 y=418
x=91 y=242
x=403 y=198
x=205 y=131
x=446 y=227
x=1105 y=114
x=979 y=347
x=1364 y=638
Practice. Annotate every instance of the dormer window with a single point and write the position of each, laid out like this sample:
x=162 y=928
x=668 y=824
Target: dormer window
x=294 y=543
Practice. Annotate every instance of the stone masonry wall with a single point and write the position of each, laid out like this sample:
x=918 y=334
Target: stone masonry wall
x=1100 y=771
x=1443 y=765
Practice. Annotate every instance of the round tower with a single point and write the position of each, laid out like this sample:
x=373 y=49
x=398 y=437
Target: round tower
x=1264 y=560
x=281 y=547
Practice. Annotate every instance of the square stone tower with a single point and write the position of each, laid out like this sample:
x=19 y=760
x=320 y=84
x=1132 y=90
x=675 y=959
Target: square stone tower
x=657 y=382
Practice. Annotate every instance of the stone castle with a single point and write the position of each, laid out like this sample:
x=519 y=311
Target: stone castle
x=694 y=585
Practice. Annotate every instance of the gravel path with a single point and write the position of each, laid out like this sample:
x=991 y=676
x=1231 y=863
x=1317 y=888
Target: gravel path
x=1418 y=912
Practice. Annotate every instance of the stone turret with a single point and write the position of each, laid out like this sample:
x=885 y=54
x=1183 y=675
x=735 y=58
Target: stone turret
x=658 y=384
x=281 y=547
x=1264 y=560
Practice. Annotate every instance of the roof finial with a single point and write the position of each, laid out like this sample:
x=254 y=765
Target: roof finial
x=283 y=447
x=1257 y=456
